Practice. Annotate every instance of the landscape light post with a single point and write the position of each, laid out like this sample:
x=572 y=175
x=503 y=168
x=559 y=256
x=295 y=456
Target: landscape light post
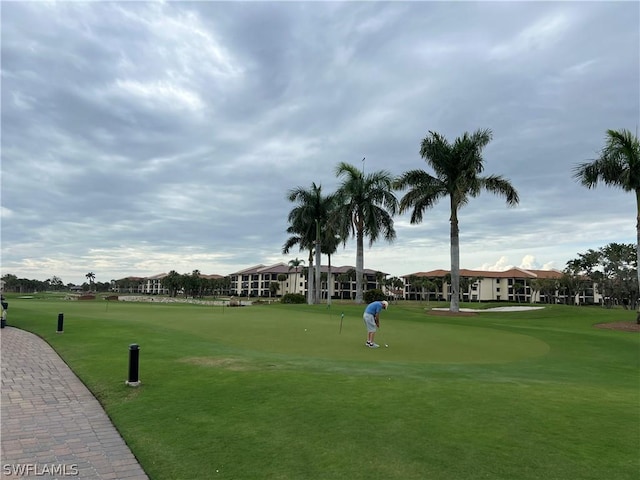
x=134 y=362
x=3 y=319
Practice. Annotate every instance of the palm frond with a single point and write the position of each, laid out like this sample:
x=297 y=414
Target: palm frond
x=498 y=185
x=618 y=164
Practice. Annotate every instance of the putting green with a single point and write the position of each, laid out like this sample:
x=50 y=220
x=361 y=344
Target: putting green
x=299 y=333
x=320 y=337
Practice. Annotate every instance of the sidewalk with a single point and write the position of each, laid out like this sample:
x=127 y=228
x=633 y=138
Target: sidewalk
x=51 y=425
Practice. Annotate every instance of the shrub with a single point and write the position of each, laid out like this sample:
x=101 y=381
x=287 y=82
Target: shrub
x=293 y=298
x=373 y=295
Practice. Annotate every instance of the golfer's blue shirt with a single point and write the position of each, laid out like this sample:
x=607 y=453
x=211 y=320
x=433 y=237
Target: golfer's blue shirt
x=373 y=308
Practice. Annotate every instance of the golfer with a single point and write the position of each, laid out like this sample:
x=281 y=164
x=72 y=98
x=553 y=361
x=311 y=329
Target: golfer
x=372 y=320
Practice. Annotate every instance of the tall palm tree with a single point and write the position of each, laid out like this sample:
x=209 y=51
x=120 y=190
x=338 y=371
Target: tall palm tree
x=412 y=283
x=329 y=246
x=307 y=219
x=91 y=277
x=342 y=279
x=295 y=264
x=457 y=169
x=297 y=238
x=617 y=166
x=330 y=238
x=282 y=278
x=365 y=206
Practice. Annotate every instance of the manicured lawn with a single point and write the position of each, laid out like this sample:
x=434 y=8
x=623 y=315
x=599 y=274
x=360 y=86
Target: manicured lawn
x=275 y=391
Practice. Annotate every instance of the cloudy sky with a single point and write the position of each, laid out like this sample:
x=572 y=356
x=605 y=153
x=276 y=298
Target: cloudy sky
x=139 y=138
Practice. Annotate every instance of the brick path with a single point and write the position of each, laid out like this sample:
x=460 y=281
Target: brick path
x=51 y=426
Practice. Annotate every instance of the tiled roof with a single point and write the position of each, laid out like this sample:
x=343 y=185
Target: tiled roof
x=511 y=273
x=213 y=276
x=156 y=277
x=160 y=276
x=283 y=268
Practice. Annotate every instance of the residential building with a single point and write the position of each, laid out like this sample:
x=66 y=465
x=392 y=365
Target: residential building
x=149 y=285
x=153 y=285
x=256 y=281
x=127 y=285
x=513 y=285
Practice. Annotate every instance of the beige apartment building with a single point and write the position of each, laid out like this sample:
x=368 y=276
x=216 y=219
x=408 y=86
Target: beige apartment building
x=148 y=285
x=513 y=285
x=256 y=281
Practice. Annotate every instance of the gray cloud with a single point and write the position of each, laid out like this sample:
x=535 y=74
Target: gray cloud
x=142 y=137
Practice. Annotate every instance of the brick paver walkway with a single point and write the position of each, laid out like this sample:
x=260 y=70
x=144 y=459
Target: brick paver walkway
x=51 y=425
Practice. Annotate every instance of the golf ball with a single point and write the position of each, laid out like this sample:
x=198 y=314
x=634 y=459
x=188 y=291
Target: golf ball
x=386 y=345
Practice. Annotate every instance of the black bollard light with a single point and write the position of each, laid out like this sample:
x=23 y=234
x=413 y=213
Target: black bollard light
x=60 y=323
x=134 y=362
x=3 y=319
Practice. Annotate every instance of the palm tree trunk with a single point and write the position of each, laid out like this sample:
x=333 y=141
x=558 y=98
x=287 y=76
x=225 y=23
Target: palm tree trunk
x=318 y=294
x=455 y=259
x=638 y=249
x=359 y=265
x=329 y=281
x=310 y=290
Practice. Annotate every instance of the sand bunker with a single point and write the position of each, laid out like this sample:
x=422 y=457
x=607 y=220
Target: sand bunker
x=494 y=309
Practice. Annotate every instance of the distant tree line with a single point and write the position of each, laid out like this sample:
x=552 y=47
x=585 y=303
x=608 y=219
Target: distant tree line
x=194 y=284
x=614 y=268
x=53 y=284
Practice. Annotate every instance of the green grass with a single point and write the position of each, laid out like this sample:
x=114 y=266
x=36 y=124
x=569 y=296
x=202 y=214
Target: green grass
x=275 y=391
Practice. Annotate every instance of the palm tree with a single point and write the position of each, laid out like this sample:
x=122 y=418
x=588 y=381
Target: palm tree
x=329 y=246
x=397 y=284
x=282 y=278
x=296 y=238
x=91 y=277
x=365 y=207
x=617 y=166
x=457 y=170
x=412 y=281
x=379 y=279
x=196 y=284
x=430 y=285
x=330 y=239
x=517 y=289
x=478 y=282
x=342 y=279
x=306 y=219
x=295 y=264
x=171 y=282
